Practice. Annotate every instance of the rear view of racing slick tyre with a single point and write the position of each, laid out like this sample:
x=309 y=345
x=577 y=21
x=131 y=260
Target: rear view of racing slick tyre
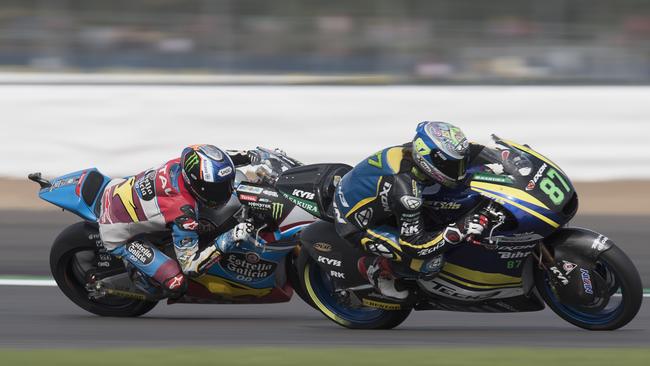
x=622 y=302
x=318 y=287
x=73 y=257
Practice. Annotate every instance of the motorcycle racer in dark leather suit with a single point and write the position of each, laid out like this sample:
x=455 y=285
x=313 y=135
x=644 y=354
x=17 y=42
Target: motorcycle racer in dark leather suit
x=378 y=205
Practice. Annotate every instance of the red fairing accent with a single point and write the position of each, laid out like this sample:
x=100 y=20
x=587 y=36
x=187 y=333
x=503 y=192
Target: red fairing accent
x=77 y=189
x=291 y=226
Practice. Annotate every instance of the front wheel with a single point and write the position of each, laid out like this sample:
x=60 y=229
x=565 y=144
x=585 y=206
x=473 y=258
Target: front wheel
x=75 y=255
x=319 y=288
x=624 y=294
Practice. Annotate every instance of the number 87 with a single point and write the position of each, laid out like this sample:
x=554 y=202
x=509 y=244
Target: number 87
x=553 y=191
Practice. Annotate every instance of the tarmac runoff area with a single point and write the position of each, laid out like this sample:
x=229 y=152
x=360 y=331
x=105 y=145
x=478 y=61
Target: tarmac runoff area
x=35 y=314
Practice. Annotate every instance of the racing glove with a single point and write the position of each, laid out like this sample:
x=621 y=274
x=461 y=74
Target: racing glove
x=226 y=241
x=472 y=227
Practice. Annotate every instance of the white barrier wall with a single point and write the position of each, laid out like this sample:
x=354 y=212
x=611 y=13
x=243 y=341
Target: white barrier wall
x=594 y=133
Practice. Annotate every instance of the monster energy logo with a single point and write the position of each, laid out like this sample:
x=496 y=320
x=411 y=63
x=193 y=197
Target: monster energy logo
x=191 y=161
x=277 y=210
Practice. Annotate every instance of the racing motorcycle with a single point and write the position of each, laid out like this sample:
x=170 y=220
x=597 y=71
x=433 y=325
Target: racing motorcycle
x=529 y=258
x=260 y=270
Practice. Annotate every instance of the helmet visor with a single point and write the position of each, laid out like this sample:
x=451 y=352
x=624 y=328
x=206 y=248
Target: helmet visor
x=455 y=169
x=214 y=194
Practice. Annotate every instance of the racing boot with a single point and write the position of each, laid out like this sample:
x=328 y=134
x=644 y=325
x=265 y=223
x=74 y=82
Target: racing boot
x=378 y=272
x=196 y=264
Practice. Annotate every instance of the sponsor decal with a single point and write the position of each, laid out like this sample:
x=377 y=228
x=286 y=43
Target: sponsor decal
x=140 y=252
x=329 y=261
x=513 y=255
x=568 y=267
x=276 y=210
x=162 y=175
x=249 y=189
x=375 y=160
x=323 y=247
x=305 y=205
x=429 y=250
x=383 y=196
x=380 y=304
x=175 y=282
x=558 y=274
x=259 y=206
x=247 y=267
x=518 y=238
x=492 y=178
x=125 y=193
x=192 y=161
x=586 y=281
x=442 y=205
x=248 y=197
x=363 y=217
x=224 y=171
x=533 y=182
x=146 y=185
x=434 y=265
x=303 y=194
x=451 y=292
x=344 y=202
x=599 y=243
x=336 y=274
x=207 y=170
x=515 y=247
x=270 y=193
x=410 y=228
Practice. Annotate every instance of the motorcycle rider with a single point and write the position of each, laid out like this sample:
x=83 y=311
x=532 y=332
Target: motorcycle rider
x=378 y=205
x=168 y=198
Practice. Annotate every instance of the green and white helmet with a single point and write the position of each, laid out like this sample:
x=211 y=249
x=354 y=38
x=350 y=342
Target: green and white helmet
x=441 y=151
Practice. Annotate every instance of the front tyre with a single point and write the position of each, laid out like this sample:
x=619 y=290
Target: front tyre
x=74 y=255
x=318 y=288
x=625 y=291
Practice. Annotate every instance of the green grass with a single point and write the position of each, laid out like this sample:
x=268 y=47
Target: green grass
x=330 y=356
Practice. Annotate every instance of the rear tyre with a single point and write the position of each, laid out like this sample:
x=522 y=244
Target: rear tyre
x=73 y=256
x=318 y=287
x=626 y=294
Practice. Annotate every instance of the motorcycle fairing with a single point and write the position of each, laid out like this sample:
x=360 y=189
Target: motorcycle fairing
x=78 y=192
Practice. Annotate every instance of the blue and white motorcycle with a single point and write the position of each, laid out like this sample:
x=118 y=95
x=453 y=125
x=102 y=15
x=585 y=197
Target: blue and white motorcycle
x=257 y=271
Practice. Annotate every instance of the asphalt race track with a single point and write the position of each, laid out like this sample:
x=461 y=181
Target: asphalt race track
x=43 y=317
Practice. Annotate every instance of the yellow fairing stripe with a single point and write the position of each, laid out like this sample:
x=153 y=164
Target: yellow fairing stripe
x=394 y=157
x=364 y=201
x=533 y=153
x=528 y=210
x=481 y=287
x=431 y=243
x=416 y=264
x=483 y=278
x=318 y=303
x=385 y=239
x=509 y=191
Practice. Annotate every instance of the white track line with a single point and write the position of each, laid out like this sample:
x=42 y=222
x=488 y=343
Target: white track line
x=51 y=283
x=26 y=282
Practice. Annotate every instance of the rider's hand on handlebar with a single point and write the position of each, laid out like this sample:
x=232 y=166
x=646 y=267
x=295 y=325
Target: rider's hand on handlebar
x=475 y=226
x=242 y=231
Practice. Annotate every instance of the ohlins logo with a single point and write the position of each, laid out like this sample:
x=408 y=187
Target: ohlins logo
x=192 y=161
x=248 y=266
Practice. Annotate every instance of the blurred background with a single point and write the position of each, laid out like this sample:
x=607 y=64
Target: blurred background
x=124 y=85
x=410 y=41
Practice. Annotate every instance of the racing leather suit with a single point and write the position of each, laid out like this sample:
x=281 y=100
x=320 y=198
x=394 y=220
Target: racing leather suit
x=154 y=200
x=378 y=204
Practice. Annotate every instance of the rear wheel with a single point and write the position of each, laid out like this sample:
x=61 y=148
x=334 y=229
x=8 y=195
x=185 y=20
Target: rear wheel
x=73 y=258
x=623 y=296
x=318 y=287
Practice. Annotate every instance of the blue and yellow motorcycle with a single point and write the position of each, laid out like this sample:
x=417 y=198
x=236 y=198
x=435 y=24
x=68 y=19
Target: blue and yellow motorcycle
x=529 y=258
x=256 y=271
